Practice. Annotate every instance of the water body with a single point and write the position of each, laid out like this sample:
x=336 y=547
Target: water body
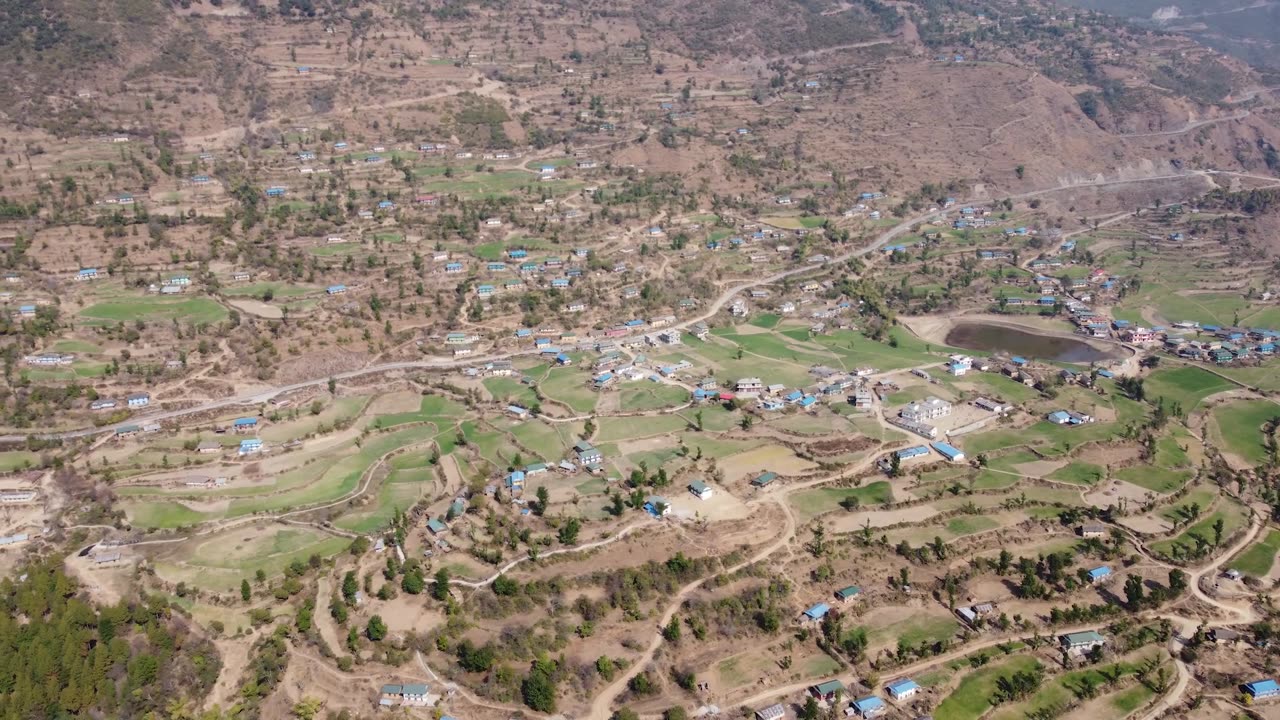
x=1001 y=338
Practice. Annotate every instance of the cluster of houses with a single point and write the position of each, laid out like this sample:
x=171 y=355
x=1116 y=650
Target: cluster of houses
x=133 y=401
x=917 y=454
x=1222 y=345
x=584 y=456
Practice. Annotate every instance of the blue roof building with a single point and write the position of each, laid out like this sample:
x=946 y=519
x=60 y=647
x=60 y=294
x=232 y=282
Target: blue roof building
x=902 y=689
x=436 y=527
x=453 y=267
x=817 y=612
x=869 y=706
x=912 y=452
x=386 y=205
x=1259 y=689
x=563 y=359
x=954 y=454
x=1099 y=573
x=1106 y=374
x=523 y=332
x=336 y=289
x=560 y=283
x=251 y=445
x=517 y=254
x=496 y=267
x=808 y=401
x=1018 y=360
x=245 y=422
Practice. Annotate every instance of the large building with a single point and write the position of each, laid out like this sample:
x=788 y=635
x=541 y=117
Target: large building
x=931 y=408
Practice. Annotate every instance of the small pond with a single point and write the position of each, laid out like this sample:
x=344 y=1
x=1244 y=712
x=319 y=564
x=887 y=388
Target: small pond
x=1001 y=338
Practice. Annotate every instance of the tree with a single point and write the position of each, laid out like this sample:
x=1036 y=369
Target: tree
x=538 y=690
x=568 y=533
x=544 y=500
x=810 y=711
x=895 y=465
x=376 y=629
x=697 y=417
x=413 y=582
x=307 y=708
x=1218 y=526
x=350 y=586
x=440 y=587
x=503 y=585
x=671 y=633
x=675 y=713
x=245 y=591
x=1134 y=593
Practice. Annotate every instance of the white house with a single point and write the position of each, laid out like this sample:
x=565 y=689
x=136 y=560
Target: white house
x=700 y=489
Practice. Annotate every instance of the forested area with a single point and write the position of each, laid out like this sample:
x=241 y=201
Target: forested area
x=60 y=656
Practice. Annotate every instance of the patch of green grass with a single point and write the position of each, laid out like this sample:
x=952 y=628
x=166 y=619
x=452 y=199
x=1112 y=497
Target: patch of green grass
x=399 y=492
x=1240 y=426
x=613 y=429
x=278 y=289
x=1079 y=473
x=972 y=698
x=568 y=386
x=767 y=321
x=968 y=525
x=916 y=630
x=334 y=249
x=17 y=460
x=1259 y=557
x=1186 y=385
x=189 y=310
x=1130 y=699
x=75 y=346
x=550 y=442
x=1200 y=496
x=1154 y=479
x=510 y=390
x=162 y=514
x=652 y=396
x=816 y=501
x=1232 y=516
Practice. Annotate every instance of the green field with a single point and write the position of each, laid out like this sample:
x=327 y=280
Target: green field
x=162 y=514
x=401 y=489
x=768 y=321
x=1239 y=425
x=914 y=630
x=220 y=563
x=1259 y=557
x=1079 y=473
x=17 y=459
x=613 y=429
x=652 y=396
x=1153 y=478
x=75 y=346
x=569 y=386
x=814 y=502
x=549 y=441
x=510 y=390
x=1184 y=385
x=278 y=289
x=1233 y=517
x=192 y=310
x=971 y=524
x=971 y=699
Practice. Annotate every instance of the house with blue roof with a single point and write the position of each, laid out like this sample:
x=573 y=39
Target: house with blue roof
x=767 y=404
x=386 y=205
x=523 y=332
x=518 y=254
x=1259 y=689
x=560 y=283
x=817 y=612
x=793 y=397
x=245 y=424
x=275 y=192
x=563 y=360
x=951 y=453
x=808 y=401
x=1106 y=374
x=250 y=445
x=1099 y=574
x=633 y=323
x=603 y=379
x=485 y=290
x=453 y=267
x=530 y=267
x=1059 y=417
x=902 y=689
x=436 y=527
x=496 y=267
x=912 y=452
x=336 y=289
x=1018 y=360
x=869 y=707
x=541 y=342
x=1047 y=300
x=87 y=274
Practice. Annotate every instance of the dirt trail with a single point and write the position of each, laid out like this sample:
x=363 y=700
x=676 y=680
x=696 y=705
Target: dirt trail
x=324 y=621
